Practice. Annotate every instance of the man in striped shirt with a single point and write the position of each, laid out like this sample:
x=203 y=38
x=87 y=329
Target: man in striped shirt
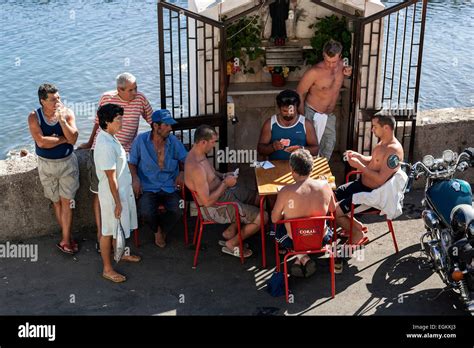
x=135 y=105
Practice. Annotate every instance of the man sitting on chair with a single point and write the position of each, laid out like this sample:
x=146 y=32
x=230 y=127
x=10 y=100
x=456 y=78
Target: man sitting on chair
x=305 y=198
x=286 y=131
x=212 y=187
x=375 y=172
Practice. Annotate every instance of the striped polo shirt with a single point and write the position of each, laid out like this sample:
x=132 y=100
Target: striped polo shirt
x=132 y=111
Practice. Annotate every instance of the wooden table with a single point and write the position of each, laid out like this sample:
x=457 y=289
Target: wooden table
x=270 y=181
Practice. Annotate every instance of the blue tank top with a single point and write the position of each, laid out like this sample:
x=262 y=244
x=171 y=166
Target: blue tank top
x=296 y=134
x=57 y=152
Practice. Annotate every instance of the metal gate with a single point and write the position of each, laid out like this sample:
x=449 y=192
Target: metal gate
x=192 y=75
x=387 y=53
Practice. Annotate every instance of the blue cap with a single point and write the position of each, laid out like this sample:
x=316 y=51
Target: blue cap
x=163 y=116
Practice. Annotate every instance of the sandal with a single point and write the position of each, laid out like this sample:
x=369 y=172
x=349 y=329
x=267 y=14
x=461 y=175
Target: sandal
x=222 y=243
x=65 y=248
x=297 y=270
x=131 y=258
x=309 y=268
x=236 y=252
x=117 y=278
x=74 y=245
x=345 y=234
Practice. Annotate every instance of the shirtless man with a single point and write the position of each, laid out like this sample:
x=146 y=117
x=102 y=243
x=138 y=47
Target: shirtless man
x=305 y=198
x=319 y=88
x=212 y=186
x=375 y=172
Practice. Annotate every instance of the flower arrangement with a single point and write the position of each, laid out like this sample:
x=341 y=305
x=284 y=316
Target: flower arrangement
x=279 y=73
x=284 y=71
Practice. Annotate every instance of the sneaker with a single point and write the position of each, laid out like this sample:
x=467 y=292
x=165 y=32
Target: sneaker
x=338 y=266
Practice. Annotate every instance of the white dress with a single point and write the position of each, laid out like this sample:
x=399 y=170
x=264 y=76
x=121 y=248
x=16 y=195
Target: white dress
x=109 y=154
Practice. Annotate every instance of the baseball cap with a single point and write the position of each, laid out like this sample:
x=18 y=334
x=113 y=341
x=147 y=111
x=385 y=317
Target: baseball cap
x=163 y=116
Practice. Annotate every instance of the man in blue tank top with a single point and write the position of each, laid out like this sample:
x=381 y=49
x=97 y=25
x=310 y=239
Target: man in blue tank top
x=53 y=128
x=287 y=131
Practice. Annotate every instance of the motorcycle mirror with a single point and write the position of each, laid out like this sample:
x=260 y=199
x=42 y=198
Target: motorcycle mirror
x=393 y=161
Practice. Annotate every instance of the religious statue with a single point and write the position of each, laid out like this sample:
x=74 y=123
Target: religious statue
x=279 y=12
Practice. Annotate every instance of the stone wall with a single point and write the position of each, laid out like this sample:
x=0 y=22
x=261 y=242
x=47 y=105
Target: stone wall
x=25 y=212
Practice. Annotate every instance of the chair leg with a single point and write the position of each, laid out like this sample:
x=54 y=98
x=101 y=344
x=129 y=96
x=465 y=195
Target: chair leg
x=331 y=270
x=262 y=231
x=392 y=231
x=285 y=274
x=277 y=256
x=351 y=228
x=198 y=221
x=136 y=238
x=241 y=242
x=185 y=222
x=198 y=246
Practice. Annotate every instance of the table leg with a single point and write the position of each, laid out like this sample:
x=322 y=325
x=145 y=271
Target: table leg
x=262 y=231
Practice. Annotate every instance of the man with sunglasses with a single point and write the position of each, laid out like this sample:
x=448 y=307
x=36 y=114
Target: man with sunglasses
x=287 y=131
x=319 y=88
x=135 y=106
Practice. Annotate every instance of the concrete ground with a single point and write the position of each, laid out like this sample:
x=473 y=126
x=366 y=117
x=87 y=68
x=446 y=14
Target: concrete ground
x=381 y=283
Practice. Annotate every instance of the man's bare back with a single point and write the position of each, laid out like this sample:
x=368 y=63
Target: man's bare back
x=322 y=86
x=306 y=198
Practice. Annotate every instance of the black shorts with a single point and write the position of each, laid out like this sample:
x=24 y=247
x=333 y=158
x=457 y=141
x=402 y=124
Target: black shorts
x=344 y=194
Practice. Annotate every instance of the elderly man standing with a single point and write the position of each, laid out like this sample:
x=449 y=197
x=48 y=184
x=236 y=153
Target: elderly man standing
x=305 y=198
x=53 y=128
x=154 y=162
x=117 y=204
x=135 y=105
x=319 y=89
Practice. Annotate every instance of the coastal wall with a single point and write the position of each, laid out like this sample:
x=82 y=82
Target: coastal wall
x=25 y=213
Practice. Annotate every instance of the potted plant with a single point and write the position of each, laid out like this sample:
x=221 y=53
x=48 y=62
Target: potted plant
x=279 y=73
x=243 y=45
x=327 y=28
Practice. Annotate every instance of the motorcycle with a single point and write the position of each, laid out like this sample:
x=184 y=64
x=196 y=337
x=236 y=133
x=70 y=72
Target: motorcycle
x=448 y=216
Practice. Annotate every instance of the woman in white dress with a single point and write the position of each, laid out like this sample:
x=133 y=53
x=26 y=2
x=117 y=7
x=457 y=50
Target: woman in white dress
x=117 y=202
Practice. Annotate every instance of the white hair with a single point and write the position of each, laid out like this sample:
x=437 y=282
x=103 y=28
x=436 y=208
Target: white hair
x=125 y=77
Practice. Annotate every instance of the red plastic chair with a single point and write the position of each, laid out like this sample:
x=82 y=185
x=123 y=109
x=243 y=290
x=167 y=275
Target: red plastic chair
x=307 y=234
x=201 y=222
x=161 y=209
x=371 y=211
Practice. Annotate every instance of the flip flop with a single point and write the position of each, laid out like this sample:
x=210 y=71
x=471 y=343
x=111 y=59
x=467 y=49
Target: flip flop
x=345 y=234
x=363 y=241
x=236 y=252
x=65 y=248
x=74 y=246
x=131 y=258
x=222 y=243
x=297 y=270
x=309 y=268
x=116 y=278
